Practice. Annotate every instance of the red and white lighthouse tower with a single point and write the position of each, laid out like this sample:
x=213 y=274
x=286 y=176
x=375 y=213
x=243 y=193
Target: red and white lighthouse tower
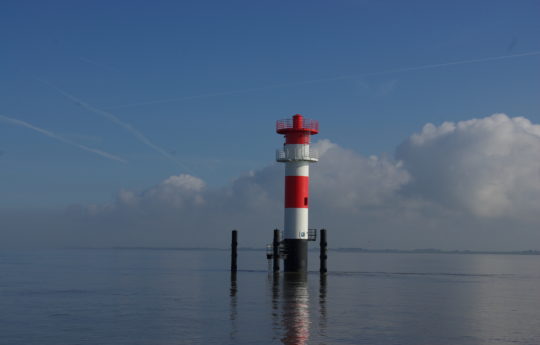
x=296 y=154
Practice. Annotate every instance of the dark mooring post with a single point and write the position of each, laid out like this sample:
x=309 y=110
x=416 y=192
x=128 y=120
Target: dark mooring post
x=323 y=255
x=275 y=249
x=234 y=247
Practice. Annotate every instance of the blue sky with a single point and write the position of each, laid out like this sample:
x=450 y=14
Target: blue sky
x=247 y=64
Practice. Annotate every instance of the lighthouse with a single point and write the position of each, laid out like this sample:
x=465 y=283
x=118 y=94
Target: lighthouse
x=297 y=155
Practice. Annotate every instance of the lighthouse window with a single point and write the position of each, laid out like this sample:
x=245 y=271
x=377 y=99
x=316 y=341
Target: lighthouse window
x=305 y=201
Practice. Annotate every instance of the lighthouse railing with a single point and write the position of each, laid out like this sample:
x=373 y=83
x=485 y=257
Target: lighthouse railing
x=297 y=154
x=306 y=124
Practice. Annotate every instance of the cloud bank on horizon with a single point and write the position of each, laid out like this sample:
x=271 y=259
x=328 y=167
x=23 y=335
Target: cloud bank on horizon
x=468 y=185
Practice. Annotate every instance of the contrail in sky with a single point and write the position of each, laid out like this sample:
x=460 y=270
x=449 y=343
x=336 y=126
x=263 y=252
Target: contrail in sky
x=59 y=138
x=276 y=86
x=136 y=133
x=461 y=62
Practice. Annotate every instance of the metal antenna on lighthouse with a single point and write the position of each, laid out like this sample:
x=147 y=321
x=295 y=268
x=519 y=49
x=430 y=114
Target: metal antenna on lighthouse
x=296 y=154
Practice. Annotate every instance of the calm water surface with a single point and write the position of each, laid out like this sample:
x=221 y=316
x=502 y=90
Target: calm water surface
x=190 y=297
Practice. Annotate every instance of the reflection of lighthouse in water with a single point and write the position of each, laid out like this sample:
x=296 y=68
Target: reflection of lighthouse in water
x=295 y=310
x=290 y=308
x=292 y=297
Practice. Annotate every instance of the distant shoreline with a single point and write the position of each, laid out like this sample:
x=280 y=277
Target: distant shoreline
x=436 y=251
x=342 y=250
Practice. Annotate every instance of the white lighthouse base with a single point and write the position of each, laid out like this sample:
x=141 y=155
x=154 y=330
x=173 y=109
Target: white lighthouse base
x=296 y=223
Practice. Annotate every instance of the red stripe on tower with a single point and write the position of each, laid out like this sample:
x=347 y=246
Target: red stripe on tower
x=296 y=191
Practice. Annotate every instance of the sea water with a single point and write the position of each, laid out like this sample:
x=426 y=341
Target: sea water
x=143 y=296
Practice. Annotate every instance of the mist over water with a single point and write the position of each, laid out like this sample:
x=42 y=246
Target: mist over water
x=137 y=296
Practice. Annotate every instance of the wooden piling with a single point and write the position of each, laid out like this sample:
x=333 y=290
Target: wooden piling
x=323 y=256
x=234 y=249
x=275 y=249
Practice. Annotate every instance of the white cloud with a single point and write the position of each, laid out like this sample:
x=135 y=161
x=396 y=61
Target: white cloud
x=473 y=184
x=447 y=182
x=341 y=180
x=346 y=180
x=489 y=166
x=176 y=192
